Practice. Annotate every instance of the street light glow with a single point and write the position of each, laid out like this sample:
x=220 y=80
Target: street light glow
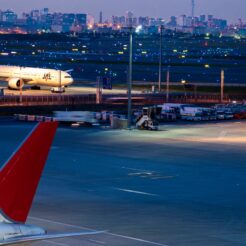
x=139 y=28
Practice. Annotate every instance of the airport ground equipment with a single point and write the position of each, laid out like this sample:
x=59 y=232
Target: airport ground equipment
x=145 y=122
x=75 y=117
x=164 y=115
x=18 y=188
x=57 y=89
x=194 y=113
x=174 y=108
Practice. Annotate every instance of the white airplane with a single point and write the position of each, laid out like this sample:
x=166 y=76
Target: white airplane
x=19 y=179
x=17 y=77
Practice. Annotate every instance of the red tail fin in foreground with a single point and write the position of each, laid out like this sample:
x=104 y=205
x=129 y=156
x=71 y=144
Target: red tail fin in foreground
x=20 y=176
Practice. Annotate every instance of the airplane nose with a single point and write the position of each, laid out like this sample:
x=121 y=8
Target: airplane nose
x=71 y=81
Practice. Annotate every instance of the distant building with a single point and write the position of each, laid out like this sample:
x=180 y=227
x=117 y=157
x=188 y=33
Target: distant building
x=100 y=17
x=129 y=19
x=9 y=16
x=202 y=18
x=144 y=21
x=173 y=21
x=181 y=20
x=44 y=21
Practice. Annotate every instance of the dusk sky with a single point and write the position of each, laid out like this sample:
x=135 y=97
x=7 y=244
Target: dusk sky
x=230 y=9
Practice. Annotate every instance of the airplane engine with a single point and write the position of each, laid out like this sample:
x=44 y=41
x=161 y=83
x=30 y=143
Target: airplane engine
x=15 y=83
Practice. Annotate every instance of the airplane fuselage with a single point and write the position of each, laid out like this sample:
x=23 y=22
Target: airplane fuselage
x=19 y=76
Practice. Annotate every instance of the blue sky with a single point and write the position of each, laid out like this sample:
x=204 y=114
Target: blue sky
x=230 y=9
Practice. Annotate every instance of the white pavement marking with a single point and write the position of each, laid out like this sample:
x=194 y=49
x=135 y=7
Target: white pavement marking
x=137 y=239
x=55 y=243
x=222 y=134
x=137 y=169
x=97 y=242
x=107 y=233
x=136 y=192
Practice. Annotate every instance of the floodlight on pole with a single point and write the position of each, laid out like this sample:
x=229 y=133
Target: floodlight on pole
x=139 y=29
x=222 y=85
x=183 y=82
x=167 y=85
x=129 y=91
x=160 y=58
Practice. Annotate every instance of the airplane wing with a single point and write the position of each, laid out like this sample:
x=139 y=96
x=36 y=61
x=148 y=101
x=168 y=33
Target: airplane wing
x=69 y=71
x=47 y=236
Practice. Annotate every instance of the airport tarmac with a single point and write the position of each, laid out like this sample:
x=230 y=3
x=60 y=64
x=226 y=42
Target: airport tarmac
x=72 y=90
x=182 y=186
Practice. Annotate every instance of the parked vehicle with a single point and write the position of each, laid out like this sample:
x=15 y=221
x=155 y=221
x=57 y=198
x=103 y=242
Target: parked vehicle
x=240 y=116
x=145 y=122
x=229 y=115
x=220 y=115
x=194 y=113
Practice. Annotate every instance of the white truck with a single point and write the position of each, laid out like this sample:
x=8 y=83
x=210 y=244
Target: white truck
x=191 y=113
x=174 y=108
x=196 y=113
x=80 y=117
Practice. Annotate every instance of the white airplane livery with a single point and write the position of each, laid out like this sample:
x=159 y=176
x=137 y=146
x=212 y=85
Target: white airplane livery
x=17 y=77
x=19 y=179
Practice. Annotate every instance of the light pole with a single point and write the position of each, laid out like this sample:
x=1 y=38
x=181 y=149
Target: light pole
x=160 y=58
x=21 y=83
x=183 y=82
x=167 y=85
x=129 y=91
x=222 y=85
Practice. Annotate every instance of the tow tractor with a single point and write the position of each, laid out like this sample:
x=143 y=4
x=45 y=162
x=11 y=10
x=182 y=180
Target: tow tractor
x=145 y=122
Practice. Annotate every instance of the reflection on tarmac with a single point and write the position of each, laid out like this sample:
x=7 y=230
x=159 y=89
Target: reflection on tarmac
x=182 y=186
x=71 y=90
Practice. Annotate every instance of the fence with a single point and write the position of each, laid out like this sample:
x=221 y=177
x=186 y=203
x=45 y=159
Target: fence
x=138 y=99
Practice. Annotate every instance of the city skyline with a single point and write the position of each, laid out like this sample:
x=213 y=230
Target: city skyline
x=233 y=11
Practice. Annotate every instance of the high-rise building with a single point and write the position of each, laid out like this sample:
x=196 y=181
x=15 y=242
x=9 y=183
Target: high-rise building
x=144 y=21
x=35 y=14
x=173 y=21
x=202 y=18
x=210 y=17
x=81 y=19
x=100 y=17
x=45 y=11
x=119 y=20
x=9 y=16
x=129 y=19
x=192 y=9
x=181 y=20
x=1 y=15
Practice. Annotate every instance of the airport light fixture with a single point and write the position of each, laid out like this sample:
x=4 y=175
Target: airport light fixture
x=222 y=85
x=129 y=91
x=139 y=29
x=21 y=83
x=167 y=85
x=160 y=57
x=184 y=82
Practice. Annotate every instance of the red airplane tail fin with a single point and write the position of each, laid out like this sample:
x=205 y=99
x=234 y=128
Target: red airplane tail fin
x=20 y=176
